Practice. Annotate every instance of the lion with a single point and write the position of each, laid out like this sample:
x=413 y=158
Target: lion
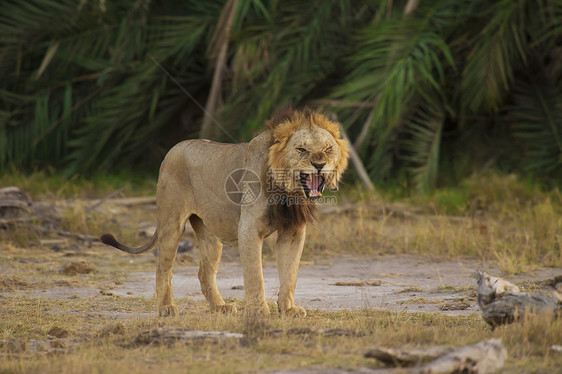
x=297 y=154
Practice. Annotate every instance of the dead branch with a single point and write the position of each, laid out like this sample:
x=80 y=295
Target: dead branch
x=361 y=171
x=103 y=200
x=365 y=129
x=484 y=357
x=15 y=204
x=406 y=357
x=219 y=48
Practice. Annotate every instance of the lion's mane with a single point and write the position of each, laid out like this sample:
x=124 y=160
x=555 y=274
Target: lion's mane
x=288 y=209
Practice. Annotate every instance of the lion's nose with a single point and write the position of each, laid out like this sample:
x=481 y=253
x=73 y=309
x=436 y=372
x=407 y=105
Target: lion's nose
x=318 y=166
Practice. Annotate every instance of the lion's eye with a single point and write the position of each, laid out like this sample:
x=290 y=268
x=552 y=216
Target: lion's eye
x=301 y=150
x=329 y=149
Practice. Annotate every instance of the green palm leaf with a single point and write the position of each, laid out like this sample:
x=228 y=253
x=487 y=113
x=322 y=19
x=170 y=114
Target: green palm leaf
x=536 y=117
x=499 y=48
x=423 y=144
x=396 y=61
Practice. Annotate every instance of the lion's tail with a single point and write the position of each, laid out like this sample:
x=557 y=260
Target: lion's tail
x=109 y=239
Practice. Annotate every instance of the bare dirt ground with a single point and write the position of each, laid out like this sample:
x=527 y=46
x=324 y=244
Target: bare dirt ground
x=396 y=283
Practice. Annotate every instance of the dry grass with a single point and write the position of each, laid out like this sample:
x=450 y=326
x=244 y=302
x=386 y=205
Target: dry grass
x=91 y=347
x=498 y=219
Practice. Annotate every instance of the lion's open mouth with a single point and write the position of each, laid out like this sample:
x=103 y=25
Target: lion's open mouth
x=313 y=185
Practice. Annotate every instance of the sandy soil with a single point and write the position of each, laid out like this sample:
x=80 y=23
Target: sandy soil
x=407 y=283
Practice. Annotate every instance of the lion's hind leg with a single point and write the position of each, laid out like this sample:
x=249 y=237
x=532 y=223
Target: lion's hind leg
x=169 y=238
x=171 y=225
x=210 y=251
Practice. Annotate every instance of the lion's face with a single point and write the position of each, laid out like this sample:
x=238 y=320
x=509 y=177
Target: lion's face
x=308 y=154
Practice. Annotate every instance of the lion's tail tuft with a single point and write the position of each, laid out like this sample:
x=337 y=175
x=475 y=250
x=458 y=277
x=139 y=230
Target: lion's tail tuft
x=109 y=239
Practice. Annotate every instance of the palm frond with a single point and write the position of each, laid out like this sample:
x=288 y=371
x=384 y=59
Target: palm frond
x=536 y=118
x=80 y=88
x=396 y=60
x=500 y=47
x=423 y=145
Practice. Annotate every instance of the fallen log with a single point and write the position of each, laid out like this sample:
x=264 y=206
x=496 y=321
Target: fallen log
x=484 y=357
x=12 y=201
x=406 y=357
x=502 y=302
x=169 y=335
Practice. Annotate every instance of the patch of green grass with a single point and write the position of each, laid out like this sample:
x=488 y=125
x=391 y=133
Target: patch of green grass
x=52 y=184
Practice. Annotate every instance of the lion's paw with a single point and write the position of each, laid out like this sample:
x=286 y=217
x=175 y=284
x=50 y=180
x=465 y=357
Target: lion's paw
x=225 y=309
x=168 y=311
x=294 y=312
x=258 y=310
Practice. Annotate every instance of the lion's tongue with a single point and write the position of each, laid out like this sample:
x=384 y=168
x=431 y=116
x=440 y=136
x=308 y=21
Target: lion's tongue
x=313 y=183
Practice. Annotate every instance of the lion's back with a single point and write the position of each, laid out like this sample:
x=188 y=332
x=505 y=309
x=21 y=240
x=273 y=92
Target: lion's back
x=204 y=158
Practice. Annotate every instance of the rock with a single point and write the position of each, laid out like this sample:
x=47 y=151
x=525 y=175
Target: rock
x=502 y=302
x=78 y=267
x=56 y=248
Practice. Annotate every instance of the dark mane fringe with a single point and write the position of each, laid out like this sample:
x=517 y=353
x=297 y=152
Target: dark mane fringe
x=286 y=216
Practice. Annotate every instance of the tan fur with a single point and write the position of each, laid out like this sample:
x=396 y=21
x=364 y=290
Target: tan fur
x=191 y=186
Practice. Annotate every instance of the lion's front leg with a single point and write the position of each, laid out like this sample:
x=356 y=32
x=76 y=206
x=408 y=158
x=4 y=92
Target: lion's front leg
x=289 y=249
x=250 y=246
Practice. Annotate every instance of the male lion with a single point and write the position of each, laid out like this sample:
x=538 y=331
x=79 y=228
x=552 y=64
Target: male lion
x=293 y=158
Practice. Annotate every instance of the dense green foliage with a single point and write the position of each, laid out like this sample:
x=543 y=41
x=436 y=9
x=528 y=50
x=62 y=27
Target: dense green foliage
x=454 y=86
